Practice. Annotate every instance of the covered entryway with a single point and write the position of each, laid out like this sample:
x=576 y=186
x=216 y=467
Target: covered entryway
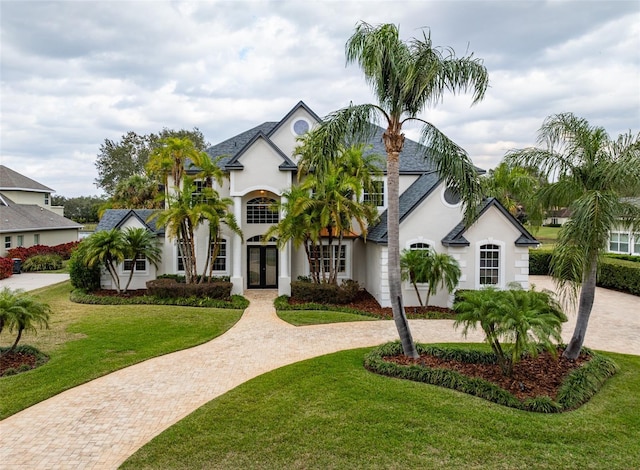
x=262 y=266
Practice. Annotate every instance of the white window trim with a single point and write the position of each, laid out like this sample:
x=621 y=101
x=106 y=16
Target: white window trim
x=293 y=122
x=444 y=201
x=629 y=242
x=635 y=238
x=136 y=272
x=413 y=241
x=501 y=263
x=176 y=250
x=347 y=261
x=227 y=257
x=385 y=194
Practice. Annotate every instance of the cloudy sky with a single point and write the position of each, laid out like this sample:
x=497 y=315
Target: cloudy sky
x=74 y=73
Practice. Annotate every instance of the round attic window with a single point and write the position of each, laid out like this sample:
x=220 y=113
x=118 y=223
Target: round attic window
x=451 y=197
x=300 y=127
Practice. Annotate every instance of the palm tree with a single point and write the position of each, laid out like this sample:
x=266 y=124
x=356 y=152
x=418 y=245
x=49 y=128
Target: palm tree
x=22 y=312
x=406 y=78
x=413 y=266
x=592 y=175
x=140 y=243
x=442 y=271
x=107 y=248
x=515 y=187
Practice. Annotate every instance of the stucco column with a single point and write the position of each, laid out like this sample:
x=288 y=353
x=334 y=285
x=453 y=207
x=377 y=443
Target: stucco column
x=236 y=272
x=284 y=281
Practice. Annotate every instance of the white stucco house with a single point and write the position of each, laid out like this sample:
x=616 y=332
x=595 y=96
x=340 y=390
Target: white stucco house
x=493 y=250
x=27 y=217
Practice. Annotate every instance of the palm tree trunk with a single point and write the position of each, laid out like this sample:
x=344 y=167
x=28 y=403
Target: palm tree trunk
x=393 y=266
x=15 y=343
x=415 y=287
x=587 y=295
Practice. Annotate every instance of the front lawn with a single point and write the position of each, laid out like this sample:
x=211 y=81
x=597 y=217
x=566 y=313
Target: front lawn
x=329 y=412
x=88 y=341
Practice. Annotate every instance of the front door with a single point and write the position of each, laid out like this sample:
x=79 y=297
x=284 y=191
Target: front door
x=262 y=267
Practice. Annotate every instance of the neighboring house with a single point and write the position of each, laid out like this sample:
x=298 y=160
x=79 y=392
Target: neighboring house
x=27 y=217
x=625 y=241
x=557 y=217
x=493 y=250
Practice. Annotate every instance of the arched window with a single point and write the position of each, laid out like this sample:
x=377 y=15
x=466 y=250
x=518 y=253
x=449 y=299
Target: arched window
x=419 y=246
x=489 y=265
x=262 y=210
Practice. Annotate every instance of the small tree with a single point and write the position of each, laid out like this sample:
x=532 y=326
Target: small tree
x=140 y=243
x=106 y=248
x=526 y=320
x=431 y=268
x=21 y=312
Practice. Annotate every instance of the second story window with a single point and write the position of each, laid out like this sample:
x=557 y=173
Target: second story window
x=262 y=210
x=46 y=199
x=376 y=196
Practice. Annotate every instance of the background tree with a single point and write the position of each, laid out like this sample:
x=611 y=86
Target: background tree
x=135 y=192
x=516 y=187
x=592 y=173
x=81 y=209
x=406 y=78
x=119 y=160
x=21 y=312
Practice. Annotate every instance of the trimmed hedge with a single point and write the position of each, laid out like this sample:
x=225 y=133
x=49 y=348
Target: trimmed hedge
x=578 y=387
x=325 y=293
x=618 y=272
x=620 y=275
x=171 y=289
x=235 y=301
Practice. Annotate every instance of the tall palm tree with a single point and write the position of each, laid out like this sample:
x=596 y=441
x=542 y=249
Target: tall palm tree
x=406 y=78
x=140 y=243
x=592 y=175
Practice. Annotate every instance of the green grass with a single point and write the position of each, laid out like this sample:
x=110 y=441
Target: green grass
x=318 y=317
x=329 y=412
x=545 y=235
x=88 y=341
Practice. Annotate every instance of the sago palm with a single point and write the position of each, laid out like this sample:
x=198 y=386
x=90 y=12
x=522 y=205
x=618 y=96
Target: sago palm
x=593 y=174
x=406 y=78
x=19 y=311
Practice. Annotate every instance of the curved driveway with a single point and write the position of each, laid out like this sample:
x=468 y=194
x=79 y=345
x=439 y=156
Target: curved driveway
x=99 y=424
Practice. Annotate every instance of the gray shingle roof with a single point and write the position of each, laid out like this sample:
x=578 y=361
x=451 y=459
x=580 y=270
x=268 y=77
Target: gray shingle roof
x=31 y=217
x=455 y=237
x=12 y=180
x=114 y=218
x=409 y=200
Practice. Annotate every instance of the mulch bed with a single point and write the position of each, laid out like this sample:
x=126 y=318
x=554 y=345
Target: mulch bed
x=16 y=359
x=367 y=303
x=532 y=377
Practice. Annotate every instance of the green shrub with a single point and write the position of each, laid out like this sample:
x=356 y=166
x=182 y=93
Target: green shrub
x=620 y=275
x=540 y=262
x=577 y=388
x=169 y=288
x=82 y=276
x=325 y=293
x=49 y=262
x=634 y=258
x=235 y=302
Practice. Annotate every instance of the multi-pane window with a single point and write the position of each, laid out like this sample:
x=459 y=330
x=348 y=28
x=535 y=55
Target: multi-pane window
x=46 y=199
x=636 y=244
x=489 y=264
x=262 y=210
x=376 y=196
x=323 y=256
x=7 y=242
x=36 y=239
x=220 y=263
x=619 y=242
x=140 y=264
x=419 y=246
x=179 y=258
x=20 y=240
